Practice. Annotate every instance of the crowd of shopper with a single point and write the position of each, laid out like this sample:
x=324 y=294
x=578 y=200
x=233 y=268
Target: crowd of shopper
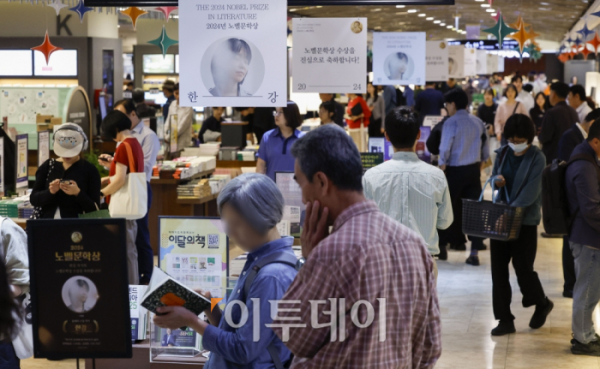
x=366 y=236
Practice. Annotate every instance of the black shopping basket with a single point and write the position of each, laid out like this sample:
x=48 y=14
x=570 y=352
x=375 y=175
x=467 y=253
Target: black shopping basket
x=491 y=219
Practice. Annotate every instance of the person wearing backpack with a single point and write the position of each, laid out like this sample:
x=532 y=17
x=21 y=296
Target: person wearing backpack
x=251 y=206
x=569 y=140
x=519 y=167
x=583 y=194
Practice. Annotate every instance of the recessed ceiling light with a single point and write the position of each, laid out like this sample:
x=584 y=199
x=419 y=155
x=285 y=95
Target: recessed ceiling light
x=437 y=21
x=545 y=8
x=480 y=1
x=429 y=18
x=494 y=14
x=400 y=6
x=422 y=15
x=376 y=10
x=293 y=10
x=485 y=5
x=544 y=3
x=412 y=10
x=490 y=10
x=448 y=26
x=442 y=24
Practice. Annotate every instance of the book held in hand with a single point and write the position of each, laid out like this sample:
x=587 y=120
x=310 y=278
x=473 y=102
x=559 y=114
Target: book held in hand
x=166 y=291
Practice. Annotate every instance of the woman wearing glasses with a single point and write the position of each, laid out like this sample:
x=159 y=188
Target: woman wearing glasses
x=274 y=151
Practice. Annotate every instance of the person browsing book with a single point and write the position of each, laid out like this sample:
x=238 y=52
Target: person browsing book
x=117 y=126
x=67 y=186
x=251 y=206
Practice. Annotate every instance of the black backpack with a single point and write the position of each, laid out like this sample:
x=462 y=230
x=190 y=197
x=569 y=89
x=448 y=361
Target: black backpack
x=557 y=217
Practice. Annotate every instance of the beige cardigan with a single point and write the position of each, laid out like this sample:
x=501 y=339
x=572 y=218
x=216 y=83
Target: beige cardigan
x=504 y=112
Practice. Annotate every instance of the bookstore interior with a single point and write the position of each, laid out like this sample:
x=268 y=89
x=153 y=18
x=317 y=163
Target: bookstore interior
x=208 y=80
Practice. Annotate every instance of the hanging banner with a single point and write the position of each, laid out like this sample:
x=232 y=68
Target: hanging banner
x=43 y=147
x=500 y=64
x=399 y=58
x=492 y=63
x=79 y=291
x=22 y=170
x=470 y=63
x=233 y=54
x=330 y=55
x=481 y=63
x=437 y=61
x=456 y=60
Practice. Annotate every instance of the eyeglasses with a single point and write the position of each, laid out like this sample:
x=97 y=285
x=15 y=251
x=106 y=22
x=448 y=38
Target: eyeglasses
x=276 y=113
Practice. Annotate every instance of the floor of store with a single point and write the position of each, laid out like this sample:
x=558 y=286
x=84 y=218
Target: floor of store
x=465 y=294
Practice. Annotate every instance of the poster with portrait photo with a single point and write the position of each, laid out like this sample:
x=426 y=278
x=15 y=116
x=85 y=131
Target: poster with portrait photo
x=233 y=54
x=456 y=60
x=330 y=55
x=399 y=58
x=491 y=63
x=437 y=61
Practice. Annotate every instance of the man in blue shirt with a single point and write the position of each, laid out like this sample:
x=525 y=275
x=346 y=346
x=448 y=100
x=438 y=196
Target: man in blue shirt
x=409 y=95
x=463 y=148
x=168 y=89
x=429 y=102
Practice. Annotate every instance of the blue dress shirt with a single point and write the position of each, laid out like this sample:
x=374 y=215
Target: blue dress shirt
x=150 y=146
x=275 y=151
x=462 y=141
x=235 y=347
x=389 y=96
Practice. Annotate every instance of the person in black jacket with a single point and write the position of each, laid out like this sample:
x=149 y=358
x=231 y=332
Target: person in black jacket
x=538 y=111
x=212 y=124
x=69 y=185
x=556 y=120
x=568 y=142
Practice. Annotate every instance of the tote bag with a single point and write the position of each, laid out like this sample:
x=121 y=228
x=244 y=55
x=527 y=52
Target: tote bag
x=131 y=200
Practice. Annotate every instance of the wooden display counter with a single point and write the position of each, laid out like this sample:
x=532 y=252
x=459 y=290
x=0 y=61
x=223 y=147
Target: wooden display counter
x=166 y=203
x=141 y=360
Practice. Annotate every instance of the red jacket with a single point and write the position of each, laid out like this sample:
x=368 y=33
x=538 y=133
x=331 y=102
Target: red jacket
x=354 y=124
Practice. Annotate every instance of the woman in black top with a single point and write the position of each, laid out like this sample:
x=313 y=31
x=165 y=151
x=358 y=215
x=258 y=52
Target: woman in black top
x=212 y=123
x=70 y=185
x=487 y=111
x=537 y=112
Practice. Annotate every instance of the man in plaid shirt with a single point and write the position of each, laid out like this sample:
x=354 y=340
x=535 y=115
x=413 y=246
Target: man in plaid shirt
x=372 y=277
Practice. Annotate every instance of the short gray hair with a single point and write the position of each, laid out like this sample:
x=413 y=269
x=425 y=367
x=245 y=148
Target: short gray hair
x=257 y=198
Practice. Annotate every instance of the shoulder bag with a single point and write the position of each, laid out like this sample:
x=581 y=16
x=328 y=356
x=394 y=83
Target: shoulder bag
x=131 y=200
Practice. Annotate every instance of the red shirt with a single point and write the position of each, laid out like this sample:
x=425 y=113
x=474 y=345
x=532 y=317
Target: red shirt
x=122 y=157
x=355 y=124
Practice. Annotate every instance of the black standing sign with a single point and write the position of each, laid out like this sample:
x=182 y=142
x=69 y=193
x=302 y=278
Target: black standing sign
x=79 y=288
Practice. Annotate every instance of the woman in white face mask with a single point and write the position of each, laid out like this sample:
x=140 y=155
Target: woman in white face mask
x=518 y=168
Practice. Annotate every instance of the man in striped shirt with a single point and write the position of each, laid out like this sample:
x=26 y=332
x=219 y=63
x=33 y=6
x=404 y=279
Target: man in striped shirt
x=407 y=189
x=366 y=297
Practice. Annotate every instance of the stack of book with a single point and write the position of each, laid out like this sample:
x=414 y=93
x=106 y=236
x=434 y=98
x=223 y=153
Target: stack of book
x=196 y=189
x=10 y=208
x=25 y=211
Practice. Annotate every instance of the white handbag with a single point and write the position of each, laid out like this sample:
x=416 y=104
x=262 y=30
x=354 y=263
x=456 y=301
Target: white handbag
x=131 y=200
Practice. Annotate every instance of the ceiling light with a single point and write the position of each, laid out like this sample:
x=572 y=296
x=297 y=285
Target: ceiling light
x=442 y=24
x=376 y=10
x=543 y=3
x=494 y=14
x=400 y=6
x=412 y=10
x=490 y=10
x=422 y=15
x=429 y=18
x=485 y=5
x=448 y=26
x=293 y=10
x=480 y=1
x=437 y=21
